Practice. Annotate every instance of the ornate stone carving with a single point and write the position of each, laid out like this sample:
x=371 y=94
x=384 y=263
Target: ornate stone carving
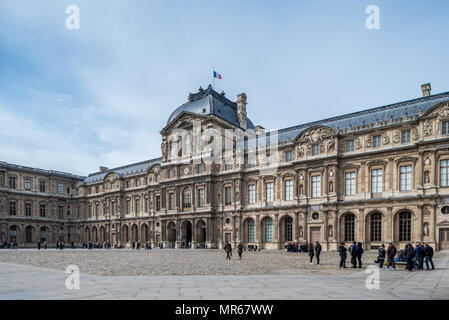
x=322 y=147
x=396 y=137
x=385 y=138
x=415 y=134
x=164 y=147
x=358 y=143
x=315 y=135
x=300 y=152
x=368 y=141
x=427 y=127
x=331 y=146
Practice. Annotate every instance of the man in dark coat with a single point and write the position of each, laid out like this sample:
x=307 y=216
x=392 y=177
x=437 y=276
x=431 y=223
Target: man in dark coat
x=428 y=256
x=391 y=255
x=317 y=252
x=342 y=252
x=353 y=251
x=240 y=250
x=311 y=253
x=359 y=253
x=382 y=254
x=409 y=256
x=228 y=250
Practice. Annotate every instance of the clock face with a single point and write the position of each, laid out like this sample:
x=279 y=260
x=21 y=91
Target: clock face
x=186 y=170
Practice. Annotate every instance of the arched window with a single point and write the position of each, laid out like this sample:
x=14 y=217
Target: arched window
x=376 y=227
x=269 y=230
x=405 y=226
x=349 y=227
x=250 y=230
x=288 y=224
x=29 y=234
x=186 y=199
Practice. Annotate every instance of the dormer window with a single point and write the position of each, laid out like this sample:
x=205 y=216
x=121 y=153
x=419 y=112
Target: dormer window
x=445 y=128
x=315 y=150
x=377 y=142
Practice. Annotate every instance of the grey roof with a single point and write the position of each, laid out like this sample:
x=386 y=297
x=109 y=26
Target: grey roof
x=402 y=110
x=40 y=171
x=124 y=171
x=209 y=102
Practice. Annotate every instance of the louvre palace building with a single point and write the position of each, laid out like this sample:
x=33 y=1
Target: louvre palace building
x=376 y=176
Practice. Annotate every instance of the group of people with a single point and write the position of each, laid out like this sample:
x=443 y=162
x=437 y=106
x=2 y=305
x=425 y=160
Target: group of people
x=356 y=252
x=415 y=257
x=228 y=250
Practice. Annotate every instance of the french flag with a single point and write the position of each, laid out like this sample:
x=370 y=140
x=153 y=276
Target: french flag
x=217 y=75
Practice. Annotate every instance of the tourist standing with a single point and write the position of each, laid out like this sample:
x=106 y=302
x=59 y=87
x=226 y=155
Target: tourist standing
x=317 y=252
x=409 y=255
x=418 y=257
x=391 y=255
x=428 y=254
x=228 y=250
x=311 y=253
x=381 y=258
x=39 y=247
x=353 y=252
x=240 y=250
x=45 y=244
x=342 y=252
x=359 y=253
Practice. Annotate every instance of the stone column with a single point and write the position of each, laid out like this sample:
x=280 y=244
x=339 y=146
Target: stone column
x=389 y=236
x=325 y=231
x=295 y=227
x=432 y=227
x=361 y=226
x=305 y=231
x=419 y=223
x=257 y=229
x=276 y=239
x=193 y=233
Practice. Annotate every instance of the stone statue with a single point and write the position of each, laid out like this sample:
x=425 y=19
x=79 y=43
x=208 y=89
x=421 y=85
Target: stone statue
x=426 y=229
x=164 y=147
x=426 y=177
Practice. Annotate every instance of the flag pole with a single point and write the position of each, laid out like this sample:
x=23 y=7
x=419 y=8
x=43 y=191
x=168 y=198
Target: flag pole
x=213 y=78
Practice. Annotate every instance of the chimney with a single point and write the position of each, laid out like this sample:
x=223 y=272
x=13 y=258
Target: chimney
x=103 y=169
x=426 y=89
x=241 y=110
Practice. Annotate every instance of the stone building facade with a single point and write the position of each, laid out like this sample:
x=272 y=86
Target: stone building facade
x=376 y=176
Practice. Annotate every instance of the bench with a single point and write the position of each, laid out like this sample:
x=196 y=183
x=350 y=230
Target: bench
x=401 y=265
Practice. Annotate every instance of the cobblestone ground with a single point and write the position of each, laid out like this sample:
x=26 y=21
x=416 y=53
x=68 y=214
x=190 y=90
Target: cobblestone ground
x=128 y=262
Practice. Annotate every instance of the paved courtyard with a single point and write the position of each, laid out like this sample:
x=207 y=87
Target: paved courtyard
x=121 y=274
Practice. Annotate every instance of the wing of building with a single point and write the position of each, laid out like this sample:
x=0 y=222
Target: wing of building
x=376 y=176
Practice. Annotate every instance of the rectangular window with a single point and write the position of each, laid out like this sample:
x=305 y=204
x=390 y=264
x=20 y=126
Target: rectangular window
x=288 y=190
x=376 y=181
x=252 y=194
x=405 y=136
x=227 y=166
x=315 y=150
x=405 y=183
x=97 y=210
x=200 y=197
x=172 y=149
x=158 y=203
x=445 y=128
x=27 y=184
x=171 y=201
x=350 y=183
x=128 y=207
x=137 y=205
x=61 y=212
x=113 y=208
x=28 y=209
x=60 y=188
x=228 y=195
x=377 y=141
x=147 y=204
x=42 y=186
x=112 y=186
x=42 y=210
x=316 y=186
x=170 y=173
x=12 y=208
x=288 y=156
x=444 y=173
x=350 y=146
x=200 y=168
x=12 y=182
x=269 y=191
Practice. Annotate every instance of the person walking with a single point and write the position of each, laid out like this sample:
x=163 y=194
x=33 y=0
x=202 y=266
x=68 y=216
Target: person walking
x=317 y=252
x=240 y=250
x=381 y=258
x=353 y=252
x=45 y=244
x=39 y=247
x=228 y=250
x=359 y=253
x=428 y=254
x=342 y=251
x=391 y=255
x=311 y=252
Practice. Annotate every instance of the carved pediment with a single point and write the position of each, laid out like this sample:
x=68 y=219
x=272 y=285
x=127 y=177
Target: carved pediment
x=110 y=177
x=315 y=134
x=441 y=110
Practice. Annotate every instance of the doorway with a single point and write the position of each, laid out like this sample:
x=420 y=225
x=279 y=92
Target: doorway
x=444 y=239
x=315 y=234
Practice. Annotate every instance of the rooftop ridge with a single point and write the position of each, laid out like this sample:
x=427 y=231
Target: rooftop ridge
x=210 y=91
x=124 y=167
x=61 y=173
x=367 y=111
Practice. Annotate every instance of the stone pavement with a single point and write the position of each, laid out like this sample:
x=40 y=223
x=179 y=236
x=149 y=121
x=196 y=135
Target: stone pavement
x=25 y=282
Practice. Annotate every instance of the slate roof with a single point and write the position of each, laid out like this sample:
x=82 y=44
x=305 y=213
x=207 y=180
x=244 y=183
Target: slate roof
x=40 y=171
x=410 y=108
x=124 y=171
x=209 y=102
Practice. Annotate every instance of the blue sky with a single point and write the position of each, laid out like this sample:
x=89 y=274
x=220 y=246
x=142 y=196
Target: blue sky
x=72 y=100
